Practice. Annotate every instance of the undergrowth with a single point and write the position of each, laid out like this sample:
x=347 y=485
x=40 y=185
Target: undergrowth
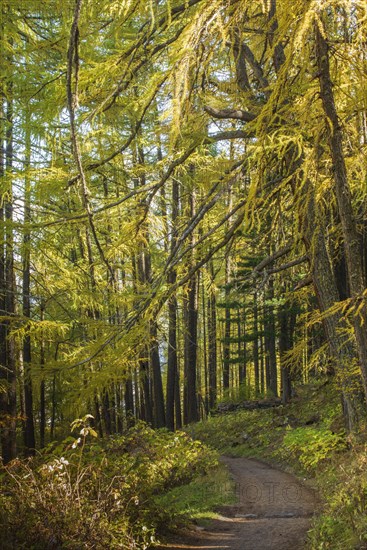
x=91 y=494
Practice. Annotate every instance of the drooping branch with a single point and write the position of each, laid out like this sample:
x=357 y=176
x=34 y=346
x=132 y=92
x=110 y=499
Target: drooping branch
x=72 y=57
x=209 y=202
x=124 y=146
x=149 y=188
x=142 y=306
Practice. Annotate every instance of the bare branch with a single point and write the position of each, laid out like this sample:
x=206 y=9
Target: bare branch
x=283 y=267
x=230 y=134
x=304 y=282
x=270 y=259
x=237 y=114
x=255 y=65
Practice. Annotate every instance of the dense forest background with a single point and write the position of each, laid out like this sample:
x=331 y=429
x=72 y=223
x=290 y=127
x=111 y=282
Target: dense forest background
x=183 y=209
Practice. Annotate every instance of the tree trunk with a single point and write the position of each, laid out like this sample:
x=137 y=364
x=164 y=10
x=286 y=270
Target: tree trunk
x=129 y=402
x=191 y=413
x=271 y=346
x=256 y=347
x=191 y=317
x=8 y=407
x=286 y=323
x=159 y=413
x=227 y=328
x=327 y=294
x=172 y=366
x=29 y=435
x=42 y=384
x=212 y=355
x=344 y=202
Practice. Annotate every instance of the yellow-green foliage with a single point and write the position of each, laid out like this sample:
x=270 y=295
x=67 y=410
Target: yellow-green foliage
x=343 y=523
x=98 y=495
x=240 y=433
x=196 y=500
x=312 y=445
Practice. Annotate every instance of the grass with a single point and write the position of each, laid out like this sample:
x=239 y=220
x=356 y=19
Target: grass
x=198 y=500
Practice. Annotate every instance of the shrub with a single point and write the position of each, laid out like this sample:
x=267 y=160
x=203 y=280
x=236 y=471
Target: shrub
x=96 y=495
x=312 y=445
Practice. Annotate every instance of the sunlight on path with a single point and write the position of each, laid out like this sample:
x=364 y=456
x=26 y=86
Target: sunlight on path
x=273 y=511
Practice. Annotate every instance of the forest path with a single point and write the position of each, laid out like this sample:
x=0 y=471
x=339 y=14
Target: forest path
x=273 y=511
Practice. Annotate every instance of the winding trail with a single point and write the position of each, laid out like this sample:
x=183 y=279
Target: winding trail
x=273 y=511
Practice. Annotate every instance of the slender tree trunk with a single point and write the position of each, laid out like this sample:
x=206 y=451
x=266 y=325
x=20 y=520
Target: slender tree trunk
x=3 y=329
x=136 y=395
x=8 y=404
x=178 y=411
x=53 y=408
x=256 y=348
x=159 y=413
x=271 y=351
x=29 y=434
x=191 y=413
x=97 y=415
x=285 y=322
x=204 y=306
x=147 y=411
x=129 y=402
x=106 y=412
x=227 y=327
x=172 y=366
x=42 y=384
x=212 y=337
x=243 y=352
x=191 y=316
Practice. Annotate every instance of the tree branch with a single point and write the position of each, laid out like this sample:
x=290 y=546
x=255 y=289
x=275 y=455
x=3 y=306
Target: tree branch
x=230 y=134
x=270 y=259
x=293 y=263
x=304 y=282
x=236 y=114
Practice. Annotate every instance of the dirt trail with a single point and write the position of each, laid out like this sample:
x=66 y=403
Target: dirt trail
x=273 y=511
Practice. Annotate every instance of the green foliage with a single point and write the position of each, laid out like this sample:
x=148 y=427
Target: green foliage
x=196 y=500
x=312 y=445
x=97 y=495
x=240 y=433
x=343 y=522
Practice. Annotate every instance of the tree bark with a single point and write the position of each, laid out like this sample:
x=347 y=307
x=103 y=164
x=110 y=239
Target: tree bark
x=212 y=355
x=256 y=347
x=344 y=202
x=8 y=404
x=172 y=366
x=271 y=345
x=159 y=413
x=29 y=434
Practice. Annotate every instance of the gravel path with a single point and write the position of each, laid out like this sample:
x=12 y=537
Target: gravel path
x=273 y=511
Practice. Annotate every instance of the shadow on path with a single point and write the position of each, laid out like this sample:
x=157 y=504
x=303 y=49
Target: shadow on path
x=273 y=511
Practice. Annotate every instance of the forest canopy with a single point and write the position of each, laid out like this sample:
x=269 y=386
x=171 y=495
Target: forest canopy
x=183 y=209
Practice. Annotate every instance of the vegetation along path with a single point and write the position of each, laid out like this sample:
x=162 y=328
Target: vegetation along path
x=273 y=511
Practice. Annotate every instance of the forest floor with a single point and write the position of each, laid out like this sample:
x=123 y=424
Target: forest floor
x=273 y=510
